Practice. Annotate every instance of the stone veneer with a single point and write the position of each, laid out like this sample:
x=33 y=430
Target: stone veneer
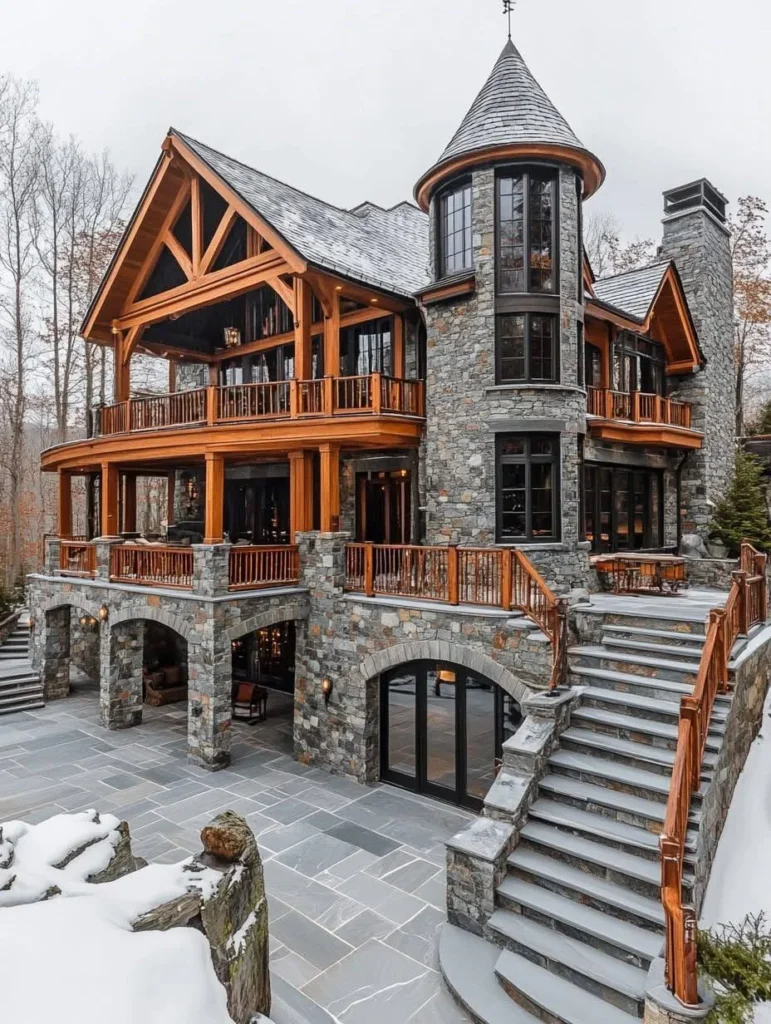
x=466 y=409
x=700 y=246
x=353 y=639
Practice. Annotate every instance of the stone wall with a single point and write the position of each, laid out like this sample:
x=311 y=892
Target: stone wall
x=700 y=247
x=352 y=639
x=466 y=408
x=84 y=649
x=710 y=573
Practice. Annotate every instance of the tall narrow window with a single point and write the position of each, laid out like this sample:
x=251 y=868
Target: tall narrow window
x=455 y=230
x=528 y=487
x=527 y=348
x=526 y=232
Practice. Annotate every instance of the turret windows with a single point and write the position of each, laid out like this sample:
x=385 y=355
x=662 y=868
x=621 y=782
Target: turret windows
x=527 y=348
x=527 y=492
x=526 y=232
x=455 y=230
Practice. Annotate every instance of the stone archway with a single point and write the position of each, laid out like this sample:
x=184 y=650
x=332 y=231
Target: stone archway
x=59 y=638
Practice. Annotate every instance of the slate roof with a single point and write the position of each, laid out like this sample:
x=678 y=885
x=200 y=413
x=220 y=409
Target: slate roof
x=385 y=249
x=634 y=291
x=511 y=108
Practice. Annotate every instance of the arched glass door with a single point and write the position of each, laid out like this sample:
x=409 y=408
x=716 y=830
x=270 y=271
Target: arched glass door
x=441 y=730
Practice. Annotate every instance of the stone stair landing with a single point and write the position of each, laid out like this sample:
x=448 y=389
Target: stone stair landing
x=20 y=686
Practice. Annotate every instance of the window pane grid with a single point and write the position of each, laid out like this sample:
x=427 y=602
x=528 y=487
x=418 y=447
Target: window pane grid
x=527 y=487
x=527 y=347
x=526 y=232
x=455 y=230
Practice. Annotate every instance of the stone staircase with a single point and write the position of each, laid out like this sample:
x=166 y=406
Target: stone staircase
x=20 y=686
x=578 y=918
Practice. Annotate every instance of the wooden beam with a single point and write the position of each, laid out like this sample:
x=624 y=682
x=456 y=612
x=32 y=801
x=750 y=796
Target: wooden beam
x=196 y=218
x=157 y=348
x=284 y=292
x=129 y=503
x=214 y=247
x=398 y=346
x=171 y=484
x=332 y=338
x=109 y=499
x=179 y=254
x=330 y=488
x=215 y=498
x=121 y=387
x=300 y=492
x=303 y=300
x=172 y=376
x=363 y=316
x=279 y=243
x=64 y=524
x=148 y=264
x=221 y=284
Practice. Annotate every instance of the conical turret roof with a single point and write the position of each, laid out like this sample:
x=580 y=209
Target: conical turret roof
x=513 y=112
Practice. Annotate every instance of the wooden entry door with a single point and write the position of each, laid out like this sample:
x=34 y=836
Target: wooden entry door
x=384 y=507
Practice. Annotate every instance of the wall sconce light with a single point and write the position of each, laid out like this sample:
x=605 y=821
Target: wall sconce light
x=31 y=623
x=104 y=611
x=326 y=688
x=232 y=336
x=88 y=622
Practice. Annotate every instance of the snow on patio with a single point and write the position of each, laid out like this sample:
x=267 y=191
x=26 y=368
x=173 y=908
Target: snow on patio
x=74 y=957
x=740 y=882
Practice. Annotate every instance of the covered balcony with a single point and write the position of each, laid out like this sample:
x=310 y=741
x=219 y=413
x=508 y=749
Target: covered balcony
x=640 y=417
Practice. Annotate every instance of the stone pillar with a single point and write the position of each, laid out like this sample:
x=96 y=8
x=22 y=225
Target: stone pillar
x=211 y=569
x=208 y=694
x=103 y=547
x=697 y=239
x=52 y=555
x=120 y=656
x=54 y=653
x=476 y=866
x=341 y=734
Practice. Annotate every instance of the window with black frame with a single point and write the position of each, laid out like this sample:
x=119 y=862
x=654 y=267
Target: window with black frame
x=638 y=365
x=527 y=348
x=367 y=348
x=527 y=492
x=527 y=239
x=455 y=229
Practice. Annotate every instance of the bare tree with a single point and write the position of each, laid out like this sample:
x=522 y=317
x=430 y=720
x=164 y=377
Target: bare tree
x=607 y=253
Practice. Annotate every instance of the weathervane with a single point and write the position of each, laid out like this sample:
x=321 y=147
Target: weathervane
x=508 y=7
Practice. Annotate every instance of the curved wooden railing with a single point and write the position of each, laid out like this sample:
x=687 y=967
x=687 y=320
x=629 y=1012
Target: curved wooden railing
x=152 y=565
x=253 y=567
x=291 y=399
x=745 y=607
x=77 y=558
x=637 y=407
x=489 y=577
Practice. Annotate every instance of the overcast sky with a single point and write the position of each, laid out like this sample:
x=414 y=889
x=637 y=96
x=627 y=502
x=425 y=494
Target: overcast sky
x=354 y=99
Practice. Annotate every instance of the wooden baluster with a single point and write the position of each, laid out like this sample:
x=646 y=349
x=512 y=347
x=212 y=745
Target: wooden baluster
x=369 y=570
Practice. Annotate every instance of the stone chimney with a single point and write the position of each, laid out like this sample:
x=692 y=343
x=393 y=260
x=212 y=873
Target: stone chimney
x=697 y=238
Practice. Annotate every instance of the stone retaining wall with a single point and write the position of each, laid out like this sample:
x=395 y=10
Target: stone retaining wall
x=710 y=573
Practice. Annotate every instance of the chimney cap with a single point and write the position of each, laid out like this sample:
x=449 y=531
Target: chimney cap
x=696 y=195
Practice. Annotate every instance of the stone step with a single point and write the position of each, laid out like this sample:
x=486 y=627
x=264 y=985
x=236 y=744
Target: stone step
x=31 y=690
x=639 y=730
x=633 y=810
x=672 y=669
x=618 y=900
x=468 y=964
x=29 y=704
x=551 y=997
x=626 y=682
x=629 y=752
x=642 y=706
x=639 y=874
x=688 y=652
x=660 y=636
x=12 y=683
x=622 y=985
x=611 y=935
x=625 y=778
x=621 y=835
x=678 y=617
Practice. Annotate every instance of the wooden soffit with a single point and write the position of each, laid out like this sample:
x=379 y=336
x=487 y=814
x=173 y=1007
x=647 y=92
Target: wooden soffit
x=653 y=435
x=175 y=180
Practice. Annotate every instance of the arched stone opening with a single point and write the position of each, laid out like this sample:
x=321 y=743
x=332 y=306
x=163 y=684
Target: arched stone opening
x=66 y=648
x=263 y=674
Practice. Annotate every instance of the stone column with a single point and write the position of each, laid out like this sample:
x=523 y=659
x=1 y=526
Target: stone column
x=209 y=705
x=54 y=651
x=211 y=569
x=103 y=547
x=341 y=734
x=53 y=555
x=120 y=656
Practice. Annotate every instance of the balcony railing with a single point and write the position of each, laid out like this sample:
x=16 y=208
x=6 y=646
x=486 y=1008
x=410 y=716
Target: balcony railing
x=77 y=558
x=489 y=577
x=252 y=568
x=152 y=566
x=289 y=399
x=637 y=407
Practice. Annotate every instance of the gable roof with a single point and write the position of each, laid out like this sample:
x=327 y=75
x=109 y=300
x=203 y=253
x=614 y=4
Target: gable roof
x=632 y=292
x=384 y=248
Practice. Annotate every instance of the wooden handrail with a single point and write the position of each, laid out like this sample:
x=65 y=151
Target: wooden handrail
x=491 y=577
x=255 y=566
x=152 y=565
x=745 y=607
x=637 y=407
x=77 y=558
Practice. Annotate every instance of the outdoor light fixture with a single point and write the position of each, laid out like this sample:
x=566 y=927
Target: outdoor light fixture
x=104 y=611
x=232 y=336
x=31 y=622
x=87 y=621
x=326 y=688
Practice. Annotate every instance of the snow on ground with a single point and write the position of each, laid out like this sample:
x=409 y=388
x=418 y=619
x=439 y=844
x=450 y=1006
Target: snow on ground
x=740 y=882
x=74 y=958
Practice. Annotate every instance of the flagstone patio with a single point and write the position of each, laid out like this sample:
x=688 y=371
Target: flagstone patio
x=355 y=875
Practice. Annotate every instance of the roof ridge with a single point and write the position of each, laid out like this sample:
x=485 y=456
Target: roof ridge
x=634 y=270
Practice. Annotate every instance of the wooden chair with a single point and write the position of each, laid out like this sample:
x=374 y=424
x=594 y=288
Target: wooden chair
x=249 y=702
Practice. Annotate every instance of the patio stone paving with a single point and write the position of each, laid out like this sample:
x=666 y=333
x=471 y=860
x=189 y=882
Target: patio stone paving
x=354 y=874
